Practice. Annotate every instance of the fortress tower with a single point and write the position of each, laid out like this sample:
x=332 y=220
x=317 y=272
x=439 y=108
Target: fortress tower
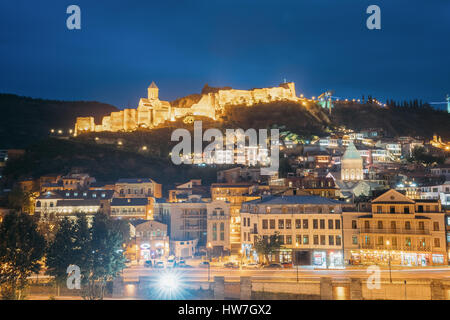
x=153 y=91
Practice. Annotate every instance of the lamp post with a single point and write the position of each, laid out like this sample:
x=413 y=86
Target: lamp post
x=241 y=254
x=296 y=262
x=389 y=261
x=209 y=260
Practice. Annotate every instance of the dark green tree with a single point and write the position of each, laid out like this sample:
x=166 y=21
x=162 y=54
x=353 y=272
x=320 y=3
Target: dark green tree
x=21 y=248
x=268 y=246
x=60 y=252
x=20 y=200
x=105 y=257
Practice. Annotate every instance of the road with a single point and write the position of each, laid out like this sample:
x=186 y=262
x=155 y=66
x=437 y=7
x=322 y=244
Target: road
x=201 y=274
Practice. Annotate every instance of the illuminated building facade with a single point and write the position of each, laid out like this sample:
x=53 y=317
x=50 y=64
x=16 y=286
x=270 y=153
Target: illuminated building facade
x=310 y=228
x=407 y=232
x=235 y=194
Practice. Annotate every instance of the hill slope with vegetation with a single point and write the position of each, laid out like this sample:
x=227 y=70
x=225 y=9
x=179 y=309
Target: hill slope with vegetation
x=24 y=120
x=396 y=120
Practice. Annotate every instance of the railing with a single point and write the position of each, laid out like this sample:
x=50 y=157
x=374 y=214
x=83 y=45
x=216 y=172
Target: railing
x=218 y=217
x=395 y=247
x=395 y=231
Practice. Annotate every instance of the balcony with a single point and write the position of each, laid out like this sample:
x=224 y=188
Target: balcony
x=395 y=247
x=395 y=231
x=218 y=217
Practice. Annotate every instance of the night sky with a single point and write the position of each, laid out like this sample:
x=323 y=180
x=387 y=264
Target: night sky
x=181 y=45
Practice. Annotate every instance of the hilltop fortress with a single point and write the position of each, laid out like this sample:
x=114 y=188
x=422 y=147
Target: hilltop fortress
x=210 y=103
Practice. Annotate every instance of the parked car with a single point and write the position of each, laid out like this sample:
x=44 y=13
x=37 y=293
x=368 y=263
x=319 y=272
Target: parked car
x=148 y=264
x=230 y=265
x=171 y=263
x=159 y=265
x=251 y=266
x=287 y=264
x=204 y=264
x=127 y=262
x=181 y=264
x=273 y=266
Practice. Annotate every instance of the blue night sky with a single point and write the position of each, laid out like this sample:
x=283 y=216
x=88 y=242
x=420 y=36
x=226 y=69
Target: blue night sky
x=183 y=44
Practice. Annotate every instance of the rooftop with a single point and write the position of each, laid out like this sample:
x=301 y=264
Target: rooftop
x=295 y=200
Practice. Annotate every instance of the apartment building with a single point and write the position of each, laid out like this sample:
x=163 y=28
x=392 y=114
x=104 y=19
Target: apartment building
x=398 y=229
x=310 y=228
x=138 y=188
x=218 y=220
x=235 y=194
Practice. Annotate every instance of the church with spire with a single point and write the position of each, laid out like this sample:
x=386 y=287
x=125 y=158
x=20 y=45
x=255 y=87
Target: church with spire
x=352 y=164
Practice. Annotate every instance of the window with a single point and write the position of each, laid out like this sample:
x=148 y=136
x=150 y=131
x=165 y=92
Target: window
x=298 y=223
x=305 y=239
x=392 y=209
x=393 y=226
x=354 y=239
x=330 y=223
x=354 y=224
x=331 y=240
x=435 y=226
x=322 y=240
x=394 y=241
x=380 y=241
x=298 y=239
x=421 y=225
x=408 y=242
x=366 y=224
x=338 y=240
x=337 y=224
x=316 y=239
x=315 y=224
x=406 y=210
x=437 y=243
x=272 y=223
x=380 y=224
x=288 y=223
x=379 y=209
x=305 y=223
x=265 y=225
x=322 y=223
x=281 y=237
x=280 y=224
x=408 y=225
x=288 y=239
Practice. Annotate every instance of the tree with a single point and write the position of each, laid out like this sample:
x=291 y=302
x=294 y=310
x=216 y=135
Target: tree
x=60 y=252
x=105 y=257
x=21 y=248
x=20 y=200
x=267 y=246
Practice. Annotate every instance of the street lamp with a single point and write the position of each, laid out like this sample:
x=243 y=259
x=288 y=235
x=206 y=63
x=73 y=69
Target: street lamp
x=209 y=260
x=296 y=262
x=389 y=261
x=241 y=254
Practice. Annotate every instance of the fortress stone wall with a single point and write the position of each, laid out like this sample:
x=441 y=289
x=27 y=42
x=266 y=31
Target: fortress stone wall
x=151 y=111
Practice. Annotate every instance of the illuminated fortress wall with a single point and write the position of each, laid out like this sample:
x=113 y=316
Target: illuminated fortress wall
x=151 y=111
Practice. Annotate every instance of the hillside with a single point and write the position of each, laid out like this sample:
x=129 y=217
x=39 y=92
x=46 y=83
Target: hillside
x=106 y=163
x=24 y=120
x=396 y=121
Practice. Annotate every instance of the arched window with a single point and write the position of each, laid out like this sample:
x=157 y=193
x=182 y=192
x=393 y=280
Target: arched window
x=38 y=204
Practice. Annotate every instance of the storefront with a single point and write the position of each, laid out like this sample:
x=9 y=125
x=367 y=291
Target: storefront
x=327 y=259
x=399 y=258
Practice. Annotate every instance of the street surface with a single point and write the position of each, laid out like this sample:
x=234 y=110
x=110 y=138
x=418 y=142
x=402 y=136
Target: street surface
x=201 y=273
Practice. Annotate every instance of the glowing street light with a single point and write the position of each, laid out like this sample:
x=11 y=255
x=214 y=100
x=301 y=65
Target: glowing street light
x=389 y=252
x=169 y=285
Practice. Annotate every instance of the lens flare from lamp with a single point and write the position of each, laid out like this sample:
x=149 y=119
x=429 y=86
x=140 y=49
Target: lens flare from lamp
x=170 y=285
